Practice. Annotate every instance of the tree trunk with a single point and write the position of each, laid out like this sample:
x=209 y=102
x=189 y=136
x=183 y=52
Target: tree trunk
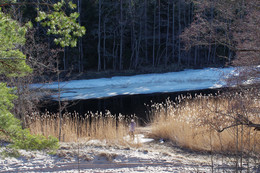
x=179 y=23
x=214 y=53
x=133 y=37
x=121 y=36
x=99 y=35
x=159 y=33
x=80 y=41
x=190 y=14
x=138 y=43
x=173 y=31
x=167 y=34
x=154 y=29
x=145 y=31
x=211 y=18
x=64 y=60
x=195 y=56
x=104 y=44
x=114 y=52
x=59 y=98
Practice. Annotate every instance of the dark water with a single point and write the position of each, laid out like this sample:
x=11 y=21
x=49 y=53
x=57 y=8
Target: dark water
x=126 y=105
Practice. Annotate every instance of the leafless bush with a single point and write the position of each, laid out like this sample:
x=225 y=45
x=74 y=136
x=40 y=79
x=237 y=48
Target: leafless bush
x=224 y=123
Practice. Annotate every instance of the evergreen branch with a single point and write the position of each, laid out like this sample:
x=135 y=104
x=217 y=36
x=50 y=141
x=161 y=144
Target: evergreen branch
x=12 y=58
x=6 y=64
x=27 y=3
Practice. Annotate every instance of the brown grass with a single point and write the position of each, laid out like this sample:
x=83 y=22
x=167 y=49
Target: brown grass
x=73 y=128
x=194 y=122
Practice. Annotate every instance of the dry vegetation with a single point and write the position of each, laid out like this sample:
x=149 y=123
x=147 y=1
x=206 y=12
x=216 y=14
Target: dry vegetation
x=74 y=127
x=203 y=123
x=210 y=123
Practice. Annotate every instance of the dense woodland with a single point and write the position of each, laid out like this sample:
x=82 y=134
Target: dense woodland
x=131 y=34
x=134 y=34
x=128 y=34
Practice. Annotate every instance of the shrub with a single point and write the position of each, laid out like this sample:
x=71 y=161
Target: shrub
x=196 y=123
x=12 y=129
x=10 y=152
x=27 y=141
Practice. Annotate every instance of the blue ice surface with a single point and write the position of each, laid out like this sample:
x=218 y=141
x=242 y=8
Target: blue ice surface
x=141 y=84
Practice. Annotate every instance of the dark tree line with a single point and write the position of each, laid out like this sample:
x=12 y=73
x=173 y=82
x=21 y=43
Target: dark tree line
x=132 y=34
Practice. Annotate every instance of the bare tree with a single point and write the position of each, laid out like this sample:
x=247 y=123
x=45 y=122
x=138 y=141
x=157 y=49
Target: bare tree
x=154 y=29
x=99 y=34
x=226 y=28
x=231 y=25
x=159 y=32
x=173 y=30
x=146 y=30
x=80 y=44
x=42 y=60
x=104 y=43
x=121 y=36
x=179 y=30
x=167 y=34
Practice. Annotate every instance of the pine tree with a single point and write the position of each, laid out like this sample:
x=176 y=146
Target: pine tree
x=13 y=64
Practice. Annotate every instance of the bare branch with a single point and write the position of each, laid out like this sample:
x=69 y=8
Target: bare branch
x=12 y=58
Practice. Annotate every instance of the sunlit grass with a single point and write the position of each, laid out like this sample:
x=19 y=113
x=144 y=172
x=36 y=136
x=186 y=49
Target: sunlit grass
x=194 y=122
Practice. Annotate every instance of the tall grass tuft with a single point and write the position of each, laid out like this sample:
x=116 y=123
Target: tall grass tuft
x=200 y=122
x=101 y=126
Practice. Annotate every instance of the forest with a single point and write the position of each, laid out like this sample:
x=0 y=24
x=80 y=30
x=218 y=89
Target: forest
x=45 y=41
x=133 y=34
x=136 y=35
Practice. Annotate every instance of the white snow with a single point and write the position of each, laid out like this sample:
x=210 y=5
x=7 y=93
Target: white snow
x=139 y=138
x=98 y=156
x=141 y=84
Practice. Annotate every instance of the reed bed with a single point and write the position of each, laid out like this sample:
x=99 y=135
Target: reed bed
x=73 y=127
x=203 y=122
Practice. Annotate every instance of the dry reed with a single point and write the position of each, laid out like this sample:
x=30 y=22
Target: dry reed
x=75 y=127
x=195 y=123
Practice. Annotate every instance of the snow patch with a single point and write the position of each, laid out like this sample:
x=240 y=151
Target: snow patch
x=139 y=138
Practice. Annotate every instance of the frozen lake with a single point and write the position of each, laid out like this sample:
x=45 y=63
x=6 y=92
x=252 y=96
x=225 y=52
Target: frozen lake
x=208 y=78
